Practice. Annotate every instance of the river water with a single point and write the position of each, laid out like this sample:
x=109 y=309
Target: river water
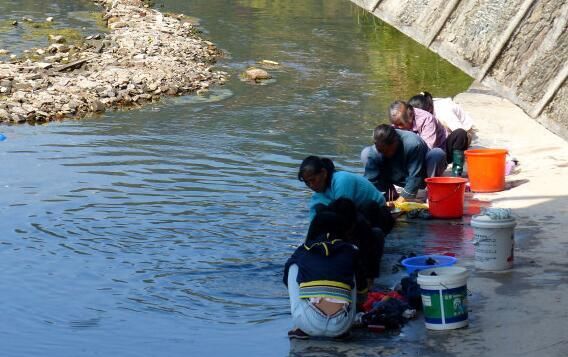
x=163 y=231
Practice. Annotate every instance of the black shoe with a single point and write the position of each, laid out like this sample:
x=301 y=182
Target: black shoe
x=298 y=334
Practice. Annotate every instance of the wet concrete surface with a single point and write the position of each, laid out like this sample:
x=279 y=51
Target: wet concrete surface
x=528 y=298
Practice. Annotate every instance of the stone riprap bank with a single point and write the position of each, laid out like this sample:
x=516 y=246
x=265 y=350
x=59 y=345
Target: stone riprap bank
x=146 y=55
x=519 y=48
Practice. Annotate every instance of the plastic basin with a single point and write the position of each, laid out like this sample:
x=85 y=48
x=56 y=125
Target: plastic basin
x=418 y=263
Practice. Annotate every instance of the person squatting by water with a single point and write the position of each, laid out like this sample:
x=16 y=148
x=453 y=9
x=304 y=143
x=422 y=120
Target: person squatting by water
x=329 y=184
x=328 y=275
x=404 y=116
x=447 y=112
x=401 y=158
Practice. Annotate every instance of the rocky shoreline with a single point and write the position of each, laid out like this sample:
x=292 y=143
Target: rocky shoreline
x=146 y=55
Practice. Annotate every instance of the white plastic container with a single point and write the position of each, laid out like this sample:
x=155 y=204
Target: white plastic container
x=444 y=297
x=494 y=241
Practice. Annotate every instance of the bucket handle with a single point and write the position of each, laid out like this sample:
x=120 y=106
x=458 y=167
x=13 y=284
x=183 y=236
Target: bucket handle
x=469 y=292
x=477 y=241
x=448 y=196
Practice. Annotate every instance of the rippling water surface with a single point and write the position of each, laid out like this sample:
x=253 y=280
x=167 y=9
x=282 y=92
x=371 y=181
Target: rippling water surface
x=163 y=231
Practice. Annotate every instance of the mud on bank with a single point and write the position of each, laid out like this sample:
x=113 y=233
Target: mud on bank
x=146 y=55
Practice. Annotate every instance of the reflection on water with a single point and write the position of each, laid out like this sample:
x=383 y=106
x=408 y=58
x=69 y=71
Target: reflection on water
x=166 y=229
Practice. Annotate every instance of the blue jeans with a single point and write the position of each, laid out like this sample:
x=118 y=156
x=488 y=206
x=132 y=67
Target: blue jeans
x=310 y=319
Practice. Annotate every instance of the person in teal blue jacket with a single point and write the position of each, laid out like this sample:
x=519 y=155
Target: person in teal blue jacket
x=329 y=184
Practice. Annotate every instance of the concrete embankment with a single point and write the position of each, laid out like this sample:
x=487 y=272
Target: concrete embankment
x=519 y=48
x=146 y=55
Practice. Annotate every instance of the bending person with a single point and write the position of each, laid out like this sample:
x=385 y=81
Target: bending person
x=401 y=158
x=320 y=175
x=448 y=112
x=369 y=240
x=320 y=277
x=404 y=116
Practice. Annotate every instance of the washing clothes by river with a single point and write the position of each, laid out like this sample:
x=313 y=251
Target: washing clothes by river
x=330 y=277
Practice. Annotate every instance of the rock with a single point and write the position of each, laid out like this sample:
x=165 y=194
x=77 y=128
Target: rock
x=172 y=90
x=28 y=108
x=97 y=106
x=6 y=74
x=44 y=65
x=27 y=19
x=4 y=52
x=155 y=54
x=49 y=19
x=269 y=62
x=117 y=25
x=33 y=76
x=17 y=118
x=4 y=115
x=73 y=105
x=86 y=84
x=57 y=47
x=22 y=86
x=14 y=23
x=13 y=57
x=256 y=74
x=57 y=38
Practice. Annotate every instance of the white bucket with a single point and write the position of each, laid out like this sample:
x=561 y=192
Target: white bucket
x=494 y=242
x=444 y=297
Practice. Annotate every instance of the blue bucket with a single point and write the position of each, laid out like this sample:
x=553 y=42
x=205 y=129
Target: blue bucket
x=418 y=263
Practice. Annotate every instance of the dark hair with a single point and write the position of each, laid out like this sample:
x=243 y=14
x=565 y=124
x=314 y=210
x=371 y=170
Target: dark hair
x=346 y=211
x=333 y=221
x=423 y=101
x=399 y=110
x=385 y=134
x=315 y=164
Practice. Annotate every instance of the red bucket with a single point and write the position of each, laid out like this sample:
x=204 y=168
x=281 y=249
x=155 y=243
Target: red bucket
x=445 y=196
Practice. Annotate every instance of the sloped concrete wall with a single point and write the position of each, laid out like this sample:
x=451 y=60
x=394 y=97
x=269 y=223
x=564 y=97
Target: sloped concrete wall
x=519 y=48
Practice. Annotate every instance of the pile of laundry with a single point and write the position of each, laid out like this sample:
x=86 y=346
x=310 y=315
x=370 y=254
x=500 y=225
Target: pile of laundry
x=390 y=310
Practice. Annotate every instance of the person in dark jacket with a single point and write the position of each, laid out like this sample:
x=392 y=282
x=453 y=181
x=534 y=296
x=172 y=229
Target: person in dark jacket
x=401 y=158
x=322 y=277
x=370 y=240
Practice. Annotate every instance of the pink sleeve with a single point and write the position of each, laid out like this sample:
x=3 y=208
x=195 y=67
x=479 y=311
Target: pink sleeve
x=428 y=132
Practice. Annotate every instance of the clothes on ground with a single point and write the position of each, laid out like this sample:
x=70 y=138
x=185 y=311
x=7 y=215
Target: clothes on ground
x=408 y=167
x=410 y=290
x=308 y=318
x=451 y=115
x=419 y=213
x=497 y=213
x=387 y=309
x=347 y=185
x=410 y=206
x=377 y=296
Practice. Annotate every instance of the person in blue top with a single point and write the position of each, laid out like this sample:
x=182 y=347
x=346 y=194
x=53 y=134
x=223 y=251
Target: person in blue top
x=329 y=184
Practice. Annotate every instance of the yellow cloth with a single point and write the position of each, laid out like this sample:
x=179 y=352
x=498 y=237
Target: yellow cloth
x=409 y=206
